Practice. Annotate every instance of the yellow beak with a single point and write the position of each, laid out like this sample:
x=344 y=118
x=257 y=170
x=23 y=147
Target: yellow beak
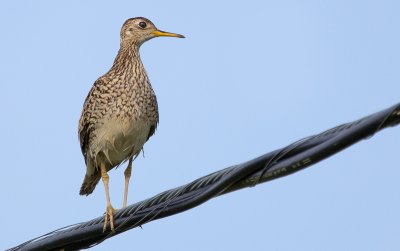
x=159 y=33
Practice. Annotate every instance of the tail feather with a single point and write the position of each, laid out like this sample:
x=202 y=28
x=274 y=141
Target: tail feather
x=89 y=184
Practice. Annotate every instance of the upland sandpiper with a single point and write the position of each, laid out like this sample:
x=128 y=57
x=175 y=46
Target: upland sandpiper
x=120 y=112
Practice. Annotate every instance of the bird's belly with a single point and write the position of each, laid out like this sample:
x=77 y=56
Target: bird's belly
x=117 y=140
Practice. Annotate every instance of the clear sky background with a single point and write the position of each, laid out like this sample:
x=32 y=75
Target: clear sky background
x=250 y=77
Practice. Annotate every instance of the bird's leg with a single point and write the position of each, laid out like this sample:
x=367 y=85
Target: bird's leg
x=127 y=173
x=109 y=210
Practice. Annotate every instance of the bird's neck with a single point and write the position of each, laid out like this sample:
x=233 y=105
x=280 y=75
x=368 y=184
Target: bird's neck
x=127 y=60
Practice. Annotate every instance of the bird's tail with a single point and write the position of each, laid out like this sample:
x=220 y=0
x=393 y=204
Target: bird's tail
x=89 y=184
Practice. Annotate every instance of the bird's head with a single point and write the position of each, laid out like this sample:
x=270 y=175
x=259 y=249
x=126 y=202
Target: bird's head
x=139 y=29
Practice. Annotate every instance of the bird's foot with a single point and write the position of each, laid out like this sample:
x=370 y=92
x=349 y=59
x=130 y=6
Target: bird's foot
x=109 y=215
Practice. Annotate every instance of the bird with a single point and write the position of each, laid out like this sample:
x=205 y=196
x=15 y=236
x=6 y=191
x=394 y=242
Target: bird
x=120 y=113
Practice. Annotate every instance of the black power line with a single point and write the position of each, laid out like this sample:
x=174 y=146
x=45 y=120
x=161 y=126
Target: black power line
x=278 y=163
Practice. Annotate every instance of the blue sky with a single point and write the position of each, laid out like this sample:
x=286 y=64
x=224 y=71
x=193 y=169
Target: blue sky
x=250 y=77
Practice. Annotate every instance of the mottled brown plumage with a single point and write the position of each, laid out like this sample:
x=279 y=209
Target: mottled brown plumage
x=120 y=112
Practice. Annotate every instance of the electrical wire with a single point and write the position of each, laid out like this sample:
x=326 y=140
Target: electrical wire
x=278 y=163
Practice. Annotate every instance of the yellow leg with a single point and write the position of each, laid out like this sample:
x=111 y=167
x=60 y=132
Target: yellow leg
x=127 y=173
x=109 y=210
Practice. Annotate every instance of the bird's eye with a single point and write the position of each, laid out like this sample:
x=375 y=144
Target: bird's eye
x=142 y=25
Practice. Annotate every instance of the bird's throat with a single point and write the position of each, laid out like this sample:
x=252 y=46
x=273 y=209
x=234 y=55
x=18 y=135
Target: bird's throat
x=128 y=59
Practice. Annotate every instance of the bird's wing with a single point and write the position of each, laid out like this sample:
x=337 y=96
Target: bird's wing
x=152 y=131
x=85 y=126
x=84 y=138
x=153 y=127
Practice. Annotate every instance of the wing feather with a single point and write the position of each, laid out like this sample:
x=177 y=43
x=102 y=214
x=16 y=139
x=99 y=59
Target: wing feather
x=85 y=127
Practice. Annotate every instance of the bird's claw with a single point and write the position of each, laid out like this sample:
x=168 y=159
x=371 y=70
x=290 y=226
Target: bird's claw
x=109 y=216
